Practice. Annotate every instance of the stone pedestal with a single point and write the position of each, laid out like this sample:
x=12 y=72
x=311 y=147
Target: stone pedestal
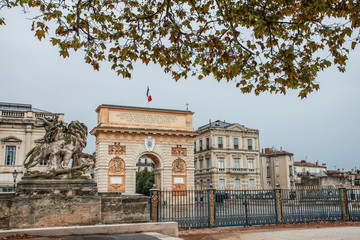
x=49 y=203
x=54 y=203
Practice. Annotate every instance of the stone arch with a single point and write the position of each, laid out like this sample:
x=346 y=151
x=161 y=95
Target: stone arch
x=158 y=169
x=116 y=175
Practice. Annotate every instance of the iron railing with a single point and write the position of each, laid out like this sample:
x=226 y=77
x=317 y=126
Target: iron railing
x=216 y=208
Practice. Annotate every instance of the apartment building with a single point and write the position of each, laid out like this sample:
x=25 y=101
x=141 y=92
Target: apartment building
x=277 y=168
x=227 y=156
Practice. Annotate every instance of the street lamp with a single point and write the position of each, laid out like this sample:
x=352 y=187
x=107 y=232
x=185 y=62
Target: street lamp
x=15 y=174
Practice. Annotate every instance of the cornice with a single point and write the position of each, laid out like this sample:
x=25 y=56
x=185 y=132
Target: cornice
x=98 y=129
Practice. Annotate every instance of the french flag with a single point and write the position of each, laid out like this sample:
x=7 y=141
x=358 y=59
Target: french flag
x=148 y=94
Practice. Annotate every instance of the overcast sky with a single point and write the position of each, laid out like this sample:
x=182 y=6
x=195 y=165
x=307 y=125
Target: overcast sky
x=324 y=127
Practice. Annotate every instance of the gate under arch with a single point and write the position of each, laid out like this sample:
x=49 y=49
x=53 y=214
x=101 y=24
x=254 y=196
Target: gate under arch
x=124 y=134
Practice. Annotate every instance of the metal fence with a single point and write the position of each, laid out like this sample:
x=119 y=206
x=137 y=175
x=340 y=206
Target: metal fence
x=215 y=208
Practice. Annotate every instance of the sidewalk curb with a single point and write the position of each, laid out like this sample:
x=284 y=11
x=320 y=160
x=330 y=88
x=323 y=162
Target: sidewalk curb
x=166 y=228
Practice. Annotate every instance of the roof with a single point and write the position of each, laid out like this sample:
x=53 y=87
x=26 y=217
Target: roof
x=133 y=107
x=217 y=123
x=19 y=107
x=308 y=164
x=277 y=153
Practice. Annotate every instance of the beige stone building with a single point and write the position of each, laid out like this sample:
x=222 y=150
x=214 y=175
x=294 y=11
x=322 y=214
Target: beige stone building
x=126 y=134
x=227 y=156
x=277 y=168
x=19 y=131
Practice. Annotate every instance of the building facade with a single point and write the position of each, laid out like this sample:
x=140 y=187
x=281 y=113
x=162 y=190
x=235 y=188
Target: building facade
x=227 y=156
x=20 y=129
x=145 y=163
x=277 y=168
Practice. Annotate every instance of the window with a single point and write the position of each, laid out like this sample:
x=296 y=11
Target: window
x=236 y=143
x=139 y=161
x=10 y=155
x=201 y=164
x=291 y=183
x=208 y=183
x=268 y=184
x=207 y=143
x=290 y=170
x=237 y=183
x=220 y=142
x=251 y=163
x=208 y=163
x=236 y=163
x=277 y=171
x=268 y=172
x=250 y=147
x=267 y=159
x=194 y=146
x=145 y=160
x=201 y=184
x=145 y=168
x=221 y=162
x=252 y=183
x=221 y=183
x=139 y=169
x=43 y=163
x=304 y=171
x=276 y=158
x=200 y=145
x=195 y=165
x=289 y=158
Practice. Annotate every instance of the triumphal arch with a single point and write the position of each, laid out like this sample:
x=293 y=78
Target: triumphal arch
x=124 y=134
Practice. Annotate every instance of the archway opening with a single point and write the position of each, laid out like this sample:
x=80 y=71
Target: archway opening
x=148 y=173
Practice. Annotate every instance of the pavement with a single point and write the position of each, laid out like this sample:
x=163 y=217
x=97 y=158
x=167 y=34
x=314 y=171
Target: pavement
x=333 y=233
x=142 y=236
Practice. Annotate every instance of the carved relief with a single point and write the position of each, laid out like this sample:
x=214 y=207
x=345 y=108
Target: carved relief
x=117 y=165
x=117 y=149
x=116 y=175
x=179 y=166
x=178 y=151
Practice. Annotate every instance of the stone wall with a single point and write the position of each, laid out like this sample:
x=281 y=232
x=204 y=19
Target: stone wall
x=50 y=203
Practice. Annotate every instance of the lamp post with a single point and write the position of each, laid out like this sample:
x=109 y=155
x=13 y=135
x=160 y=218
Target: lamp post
x=15 y=174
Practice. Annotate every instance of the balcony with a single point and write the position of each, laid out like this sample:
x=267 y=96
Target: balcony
x=228 y=170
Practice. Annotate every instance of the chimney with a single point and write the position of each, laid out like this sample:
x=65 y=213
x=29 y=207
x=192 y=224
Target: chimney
x=317 y=163
x=303 y=161
x=324 y=164
x=262 y=150
x=267 y=150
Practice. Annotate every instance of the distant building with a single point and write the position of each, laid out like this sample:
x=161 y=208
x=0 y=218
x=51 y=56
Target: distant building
x=227 y=155
x=304 y=168
x=277 y=168
x=145 y=163
x=20 y=128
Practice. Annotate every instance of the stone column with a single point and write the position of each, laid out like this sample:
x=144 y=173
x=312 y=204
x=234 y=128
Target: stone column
x=211 y=192
x=154 y=193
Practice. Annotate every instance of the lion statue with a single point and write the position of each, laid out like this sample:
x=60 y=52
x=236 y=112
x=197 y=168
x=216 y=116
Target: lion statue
x=61 y=148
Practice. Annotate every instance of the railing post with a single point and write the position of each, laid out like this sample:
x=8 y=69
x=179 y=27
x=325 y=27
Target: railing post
x=154 y=203
x=278 y=208
x=344 y=209
x=211 y=193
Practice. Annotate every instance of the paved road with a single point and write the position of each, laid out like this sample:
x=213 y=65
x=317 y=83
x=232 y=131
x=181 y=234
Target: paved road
x=333 y=233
